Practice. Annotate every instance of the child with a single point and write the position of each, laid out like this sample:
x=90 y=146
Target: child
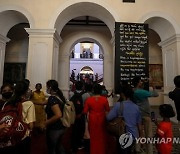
x=164 y=129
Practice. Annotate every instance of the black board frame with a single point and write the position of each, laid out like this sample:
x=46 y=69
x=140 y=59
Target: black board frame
x=119 y=52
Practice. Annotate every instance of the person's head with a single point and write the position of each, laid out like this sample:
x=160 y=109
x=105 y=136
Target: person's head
x=53 y=88
x=177 y=81
x=97 y=89
x=104 y=92
x=137 y=82
x=79 y=85
x=88 y=87
x=7 y=91
x=38 y=86
x=127 y=93
x=166 y=111
x=103 y=87
x=20 y=90
x=27 y=82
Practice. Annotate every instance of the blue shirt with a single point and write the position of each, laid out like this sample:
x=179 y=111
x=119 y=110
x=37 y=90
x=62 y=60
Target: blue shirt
x=131 y=116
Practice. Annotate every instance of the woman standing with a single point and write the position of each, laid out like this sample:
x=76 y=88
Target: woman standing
x=97 y=106
x=25 y=112
x=38 y=98
x=53 y=124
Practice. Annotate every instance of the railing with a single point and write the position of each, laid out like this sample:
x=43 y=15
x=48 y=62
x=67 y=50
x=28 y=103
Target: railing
x=87 y=56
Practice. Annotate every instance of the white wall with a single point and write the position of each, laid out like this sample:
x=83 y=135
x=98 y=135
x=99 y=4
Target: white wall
x=17 y=51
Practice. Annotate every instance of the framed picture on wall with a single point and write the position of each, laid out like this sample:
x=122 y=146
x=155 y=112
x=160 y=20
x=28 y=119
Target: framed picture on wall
x=14 y=72
x=156 y=75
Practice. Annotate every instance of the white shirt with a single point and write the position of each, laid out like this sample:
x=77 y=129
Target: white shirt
x=28 y=112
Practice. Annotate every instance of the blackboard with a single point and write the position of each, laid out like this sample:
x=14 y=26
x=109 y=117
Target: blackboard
x=131 y=52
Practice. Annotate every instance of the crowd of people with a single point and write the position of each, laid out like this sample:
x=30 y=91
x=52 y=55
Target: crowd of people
x=42 y=113
x=86 y=78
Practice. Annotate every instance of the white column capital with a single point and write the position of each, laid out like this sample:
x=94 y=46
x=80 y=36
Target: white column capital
x=169 y=41
x=47 y=33
x=40 y=32
x=4 y=39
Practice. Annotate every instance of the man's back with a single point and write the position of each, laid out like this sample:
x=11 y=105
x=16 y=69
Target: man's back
x=131 y=115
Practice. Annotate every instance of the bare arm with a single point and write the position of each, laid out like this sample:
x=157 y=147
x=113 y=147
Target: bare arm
x=31 y=125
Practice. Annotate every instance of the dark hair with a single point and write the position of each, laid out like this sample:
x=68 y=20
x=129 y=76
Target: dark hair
x=97 y=89
x=128 y=92
x=19 y=90
x=7 y=85
x=27 y=82
x=88 y=87
x=177 y=81
x=38 y=84
x=136 y=80
x=55 y=87
x=79 y=85
x=166 y=111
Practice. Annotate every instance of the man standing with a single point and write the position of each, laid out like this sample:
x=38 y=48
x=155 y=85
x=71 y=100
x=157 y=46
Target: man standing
x=78 y=127
x=141 y=99
x=175 y=96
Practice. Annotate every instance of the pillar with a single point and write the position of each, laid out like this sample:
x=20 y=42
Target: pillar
x=171 y=64
x=64 y=66
x=3 y=41
x=42 y=63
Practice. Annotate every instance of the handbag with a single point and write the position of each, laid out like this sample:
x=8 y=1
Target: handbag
x=117 y=127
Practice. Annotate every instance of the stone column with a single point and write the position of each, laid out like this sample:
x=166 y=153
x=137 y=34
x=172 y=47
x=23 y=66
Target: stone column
x=64 y=66
x=42 y=63
x=171 y=64
x=3 y=41
x=57 y=41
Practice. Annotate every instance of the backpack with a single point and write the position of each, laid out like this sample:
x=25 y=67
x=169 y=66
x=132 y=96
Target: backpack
x=12 y=116
x=69 y=114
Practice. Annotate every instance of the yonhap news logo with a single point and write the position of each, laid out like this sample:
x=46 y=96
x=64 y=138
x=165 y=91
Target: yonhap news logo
x=126 y=140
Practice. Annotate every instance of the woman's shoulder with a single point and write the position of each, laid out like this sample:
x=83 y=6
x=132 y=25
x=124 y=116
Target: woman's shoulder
x=52 y=100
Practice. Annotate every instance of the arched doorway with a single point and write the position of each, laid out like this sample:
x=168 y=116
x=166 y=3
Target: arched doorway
x=16 y=54
x=86 y=62
x=164 y=26
x=166 y=31
x=72 y=34
x=11 y=22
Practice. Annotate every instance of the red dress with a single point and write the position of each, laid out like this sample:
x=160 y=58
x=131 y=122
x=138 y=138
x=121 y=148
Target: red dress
x=164 y=131
x=97 y=108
